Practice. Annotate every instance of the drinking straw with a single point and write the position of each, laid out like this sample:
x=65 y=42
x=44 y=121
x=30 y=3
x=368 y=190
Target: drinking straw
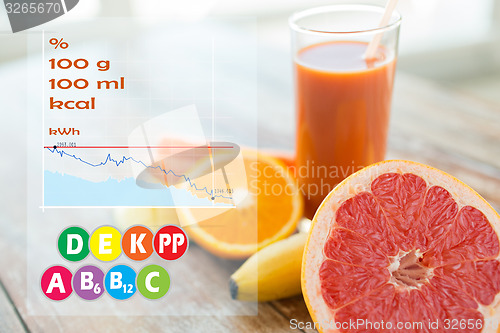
x=373 y=46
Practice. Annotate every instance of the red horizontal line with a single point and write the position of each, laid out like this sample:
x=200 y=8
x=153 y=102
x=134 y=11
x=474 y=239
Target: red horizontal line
x=141 y=147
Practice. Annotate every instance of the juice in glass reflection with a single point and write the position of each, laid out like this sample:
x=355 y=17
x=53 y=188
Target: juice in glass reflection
x=343 y=107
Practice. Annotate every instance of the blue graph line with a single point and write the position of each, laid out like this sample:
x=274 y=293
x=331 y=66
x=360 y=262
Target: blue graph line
x=124 y=159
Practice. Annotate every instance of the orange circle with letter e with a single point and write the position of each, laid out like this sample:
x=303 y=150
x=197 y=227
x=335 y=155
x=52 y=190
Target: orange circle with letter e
x=137 y=242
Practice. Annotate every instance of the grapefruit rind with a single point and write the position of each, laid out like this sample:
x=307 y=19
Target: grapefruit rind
x=361 y=181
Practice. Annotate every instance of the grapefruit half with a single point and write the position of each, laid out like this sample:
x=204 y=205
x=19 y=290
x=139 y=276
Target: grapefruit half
x=400 y=243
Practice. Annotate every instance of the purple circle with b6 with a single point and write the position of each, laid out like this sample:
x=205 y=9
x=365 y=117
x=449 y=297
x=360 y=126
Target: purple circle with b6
x=88 y=282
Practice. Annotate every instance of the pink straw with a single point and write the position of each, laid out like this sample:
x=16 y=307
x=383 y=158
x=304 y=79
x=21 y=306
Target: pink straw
x=373 y=46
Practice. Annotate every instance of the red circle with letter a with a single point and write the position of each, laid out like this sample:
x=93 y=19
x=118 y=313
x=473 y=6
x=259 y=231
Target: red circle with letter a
x=171 y=242
x=56 y=283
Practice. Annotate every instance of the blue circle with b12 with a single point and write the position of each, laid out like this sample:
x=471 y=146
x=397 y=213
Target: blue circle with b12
x=120 y=282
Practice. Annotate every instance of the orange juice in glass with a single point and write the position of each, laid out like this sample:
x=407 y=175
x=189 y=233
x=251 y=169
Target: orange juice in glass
x=342 y=100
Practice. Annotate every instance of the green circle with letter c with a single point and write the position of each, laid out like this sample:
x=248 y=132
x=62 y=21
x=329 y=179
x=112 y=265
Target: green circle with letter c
x=73 y=244
x=153 y=282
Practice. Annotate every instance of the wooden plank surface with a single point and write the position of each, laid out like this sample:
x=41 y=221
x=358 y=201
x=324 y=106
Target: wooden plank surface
x=429 y=124
x=10 y=320
x=447 y=130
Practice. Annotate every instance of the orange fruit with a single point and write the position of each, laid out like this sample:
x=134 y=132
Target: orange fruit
x=270 y=210
x=407 y=246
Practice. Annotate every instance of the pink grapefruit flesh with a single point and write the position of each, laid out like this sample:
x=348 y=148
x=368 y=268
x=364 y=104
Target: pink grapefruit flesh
x=403 y=243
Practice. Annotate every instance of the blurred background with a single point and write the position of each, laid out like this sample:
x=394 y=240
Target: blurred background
x=448 y=49
x=453 y=42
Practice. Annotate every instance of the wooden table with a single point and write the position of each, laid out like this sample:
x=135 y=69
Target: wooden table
x=430 y=124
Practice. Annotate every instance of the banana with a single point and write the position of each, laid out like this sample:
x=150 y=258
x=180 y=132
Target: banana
x=271 y=273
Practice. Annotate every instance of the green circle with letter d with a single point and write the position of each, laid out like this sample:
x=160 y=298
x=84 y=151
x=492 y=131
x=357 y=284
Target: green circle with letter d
x=153 y=282
x=73 y=244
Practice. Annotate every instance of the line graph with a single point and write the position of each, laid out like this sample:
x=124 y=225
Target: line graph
x=142 y=147
x=165 y=140
x=117 y=162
